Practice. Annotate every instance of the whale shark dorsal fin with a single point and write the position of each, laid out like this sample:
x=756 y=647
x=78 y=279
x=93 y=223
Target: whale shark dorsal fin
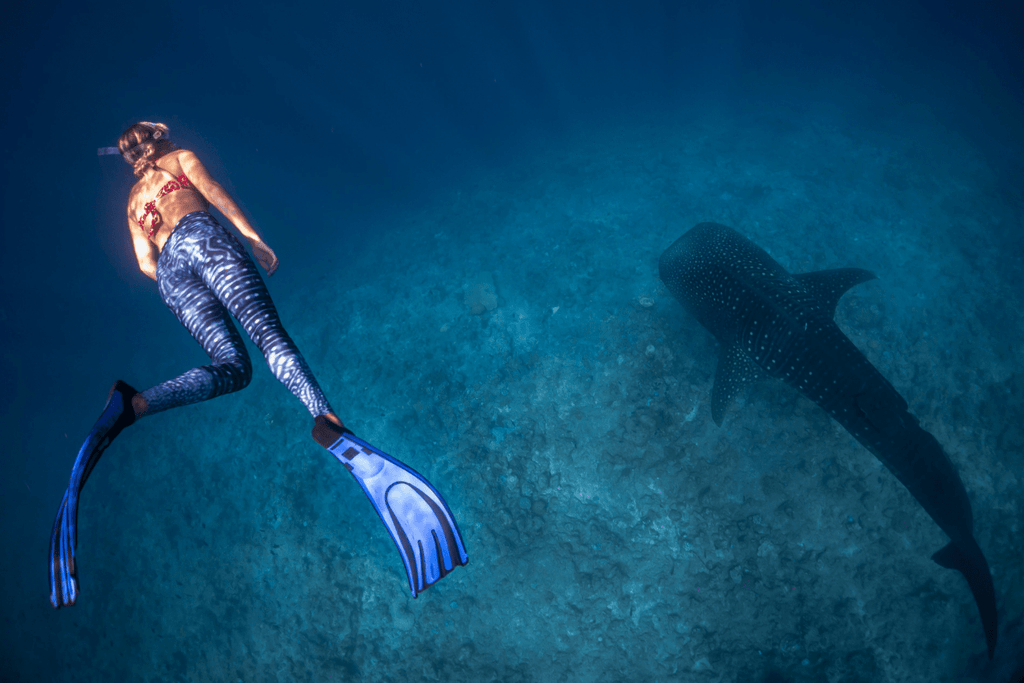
x=735 y=371
x=828 y=286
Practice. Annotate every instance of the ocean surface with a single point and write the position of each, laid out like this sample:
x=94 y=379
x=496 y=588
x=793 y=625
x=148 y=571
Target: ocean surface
x=469 y=201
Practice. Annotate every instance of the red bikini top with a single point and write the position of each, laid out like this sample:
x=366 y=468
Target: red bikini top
x=179 y=183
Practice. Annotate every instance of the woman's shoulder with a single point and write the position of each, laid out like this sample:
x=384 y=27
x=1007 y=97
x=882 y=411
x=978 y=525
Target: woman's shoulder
x=178 y=153
x=172 y=161
x=133 y=196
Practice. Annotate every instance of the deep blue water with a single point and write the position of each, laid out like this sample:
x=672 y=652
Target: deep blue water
x=407 y=161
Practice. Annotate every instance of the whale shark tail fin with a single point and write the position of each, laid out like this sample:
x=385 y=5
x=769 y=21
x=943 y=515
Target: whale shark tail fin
x=971 y=563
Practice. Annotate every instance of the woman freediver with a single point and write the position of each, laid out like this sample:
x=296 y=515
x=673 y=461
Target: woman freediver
x=205 y=275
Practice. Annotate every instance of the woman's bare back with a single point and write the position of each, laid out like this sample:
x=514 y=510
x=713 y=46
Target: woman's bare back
x=172 y=207
x=202 y=192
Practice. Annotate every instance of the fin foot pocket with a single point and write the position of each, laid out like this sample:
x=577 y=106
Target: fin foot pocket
x=116 y=415
x=414 y=513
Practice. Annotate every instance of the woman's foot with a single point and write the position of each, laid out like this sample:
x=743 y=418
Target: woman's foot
x=139 y=405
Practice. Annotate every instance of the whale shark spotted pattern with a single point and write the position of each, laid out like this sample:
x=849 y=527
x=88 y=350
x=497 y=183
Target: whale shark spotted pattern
x=771 y=323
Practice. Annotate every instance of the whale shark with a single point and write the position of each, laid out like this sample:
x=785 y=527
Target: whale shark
x=771 y=323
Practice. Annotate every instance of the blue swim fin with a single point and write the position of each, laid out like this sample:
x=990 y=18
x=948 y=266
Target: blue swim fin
x=117 y=414
x=413 y=511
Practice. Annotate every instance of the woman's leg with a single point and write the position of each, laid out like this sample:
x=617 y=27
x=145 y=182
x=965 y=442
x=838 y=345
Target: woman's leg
x=228 y=272
x=206 y=319
x=202 y=273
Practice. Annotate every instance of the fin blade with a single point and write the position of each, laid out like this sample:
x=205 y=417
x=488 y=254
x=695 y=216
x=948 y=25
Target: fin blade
x=117 y=414
x=58 y=577
x=413 y=512
x=421 y=521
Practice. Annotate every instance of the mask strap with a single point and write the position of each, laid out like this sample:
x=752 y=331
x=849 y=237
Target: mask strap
x=157 y=135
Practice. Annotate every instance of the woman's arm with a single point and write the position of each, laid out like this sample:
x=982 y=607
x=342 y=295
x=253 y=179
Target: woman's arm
x=219 y=197
x=145 y=251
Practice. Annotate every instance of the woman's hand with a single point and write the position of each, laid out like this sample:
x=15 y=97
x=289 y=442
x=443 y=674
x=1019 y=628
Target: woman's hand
x=265 y=255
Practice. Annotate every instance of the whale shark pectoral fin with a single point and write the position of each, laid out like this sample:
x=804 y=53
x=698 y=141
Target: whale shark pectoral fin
x=735 y=371
x=828 y=286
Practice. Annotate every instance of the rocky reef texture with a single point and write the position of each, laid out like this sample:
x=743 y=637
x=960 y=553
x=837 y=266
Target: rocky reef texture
x=561 y=404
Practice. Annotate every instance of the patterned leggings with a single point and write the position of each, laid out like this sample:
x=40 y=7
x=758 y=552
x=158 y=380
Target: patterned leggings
x=204 y=273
